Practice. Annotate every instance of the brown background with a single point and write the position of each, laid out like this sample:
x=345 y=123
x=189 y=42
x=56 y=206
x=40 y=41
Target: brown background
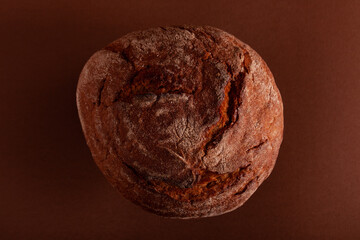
x=51 y=189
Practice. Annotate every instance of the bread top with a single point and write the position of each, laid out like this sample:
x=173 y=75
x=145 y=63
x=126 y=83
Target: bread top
x=187 y=109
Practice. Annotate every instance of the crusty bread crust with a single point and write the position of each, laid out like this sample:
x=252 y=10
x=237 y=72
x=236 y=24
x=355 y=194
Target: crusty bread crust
x=184 y=121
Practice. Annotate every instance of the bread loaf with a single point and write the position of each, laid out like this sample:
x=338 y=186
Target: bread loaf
x=184 y=121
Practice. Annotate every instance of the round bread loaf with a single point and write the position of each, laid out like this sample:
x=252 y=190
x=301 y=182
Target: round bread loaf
x=184 y=121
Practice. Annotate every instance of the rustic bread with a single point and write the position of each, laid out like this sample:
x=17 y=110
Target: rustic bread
x=184 y=121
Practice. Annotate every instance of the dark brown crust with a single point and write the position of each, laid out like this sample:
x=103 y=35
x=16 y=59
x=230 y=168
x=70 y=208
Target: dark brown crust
x=184 y=121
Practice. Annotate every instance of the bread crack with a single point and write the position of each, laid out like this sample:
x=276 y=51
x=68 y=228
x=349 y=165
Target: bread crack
x=257 y=146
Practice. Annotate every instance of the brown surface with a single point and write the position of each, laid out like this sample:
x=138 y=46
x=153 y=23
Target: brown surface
x=185 y=121
x=50 y=187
